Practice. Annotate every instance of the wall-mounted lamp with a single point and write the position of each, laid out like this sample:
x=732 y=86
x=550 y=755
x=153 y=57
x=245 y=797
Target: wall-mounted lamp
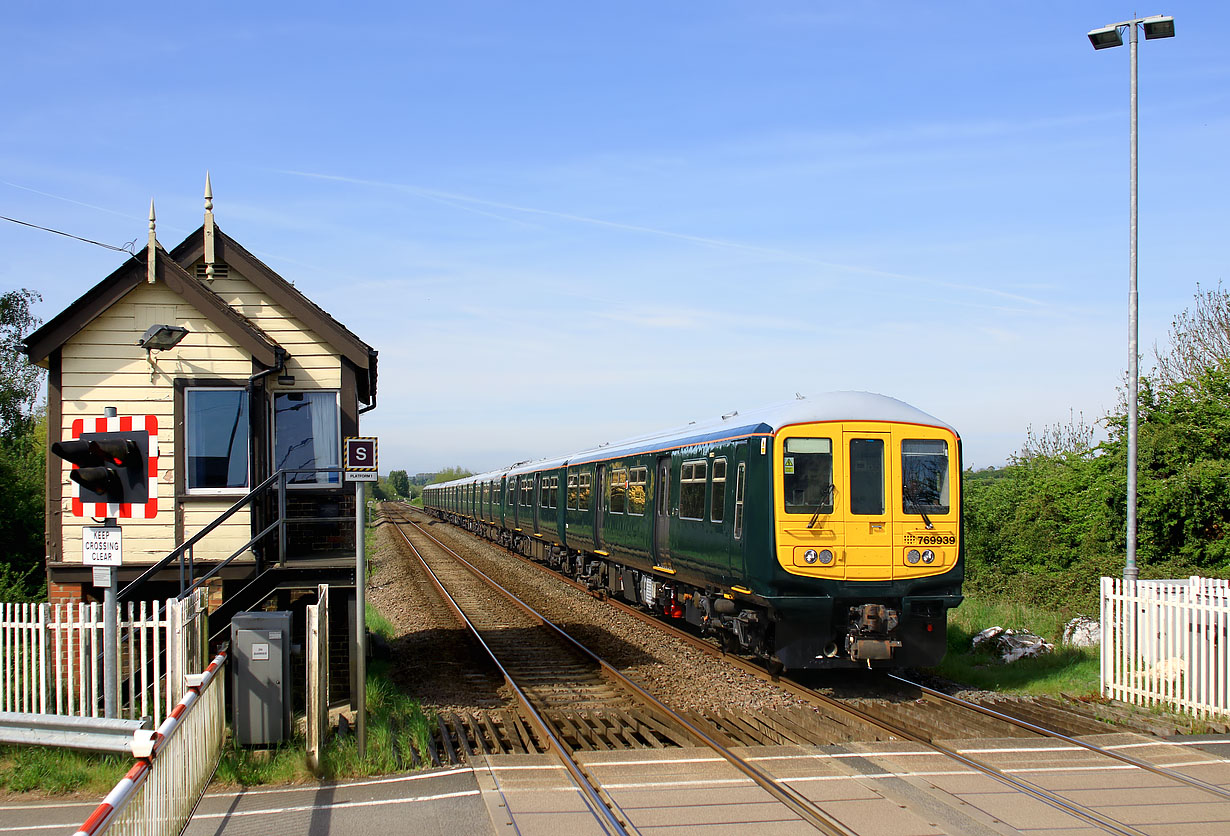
x=162 y=337
x=286 y=380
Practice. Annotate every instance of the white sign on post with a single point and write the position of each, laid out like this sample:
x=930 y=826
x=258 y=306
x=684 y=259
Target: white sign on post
x=101 y=545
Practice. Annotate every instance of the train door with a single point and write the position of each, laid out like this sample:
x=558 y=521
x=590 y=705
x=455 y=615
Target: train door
x=537 y=499
x=599 y=494
x=737 y=480
x=662 y=514
x=869 y=530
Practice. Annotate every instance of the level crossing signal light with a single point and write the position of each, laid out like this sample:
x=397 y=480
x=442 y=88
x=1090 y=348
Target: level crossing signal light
x=110 y=467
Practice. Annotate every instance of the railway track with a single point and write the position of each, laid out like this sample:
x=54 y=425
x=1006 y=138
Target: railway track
x=549 y=658
x=934 y=716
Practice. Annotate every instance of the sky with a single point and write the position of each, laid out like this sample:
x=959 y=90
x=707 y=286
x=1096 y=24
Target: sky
x=566 y=223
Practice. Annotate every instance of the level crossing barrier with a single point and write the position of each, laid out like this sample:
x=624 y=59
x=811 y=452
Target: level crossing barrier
x=173 y=765
x=1167 y=642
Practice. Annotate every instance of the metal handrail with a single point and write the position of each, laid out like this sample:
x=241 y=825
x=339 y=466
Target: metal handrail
x=184 y=550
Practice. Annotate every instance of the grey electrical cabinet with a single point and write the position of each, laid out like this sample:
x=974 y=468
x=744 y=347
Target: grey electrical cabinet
x=260 y=677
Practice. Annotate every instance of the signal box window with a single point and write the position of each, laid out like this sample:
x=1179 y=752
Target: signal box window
x=619 y=491
x=306 y=436
x=638 y=483
x=216 y=443
x=867 y=476
x=692 y=479
x=717 y=503
x=924 y=476
x=807 y=475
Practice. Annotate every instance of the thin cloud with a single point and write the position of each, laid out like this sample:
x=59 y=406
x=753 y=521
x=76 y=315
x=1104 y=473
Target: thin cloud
x=470 y=201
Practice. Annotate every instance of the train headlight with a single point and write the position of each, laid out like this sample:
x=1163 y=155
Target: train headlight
x=826 y=557
x=928 y=556
x=810 y=556
x=912 y=556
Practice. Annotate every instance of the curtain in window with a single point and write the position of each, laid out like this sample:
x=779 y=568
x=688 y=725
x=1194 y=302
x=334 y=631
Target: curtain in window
x=306 y=435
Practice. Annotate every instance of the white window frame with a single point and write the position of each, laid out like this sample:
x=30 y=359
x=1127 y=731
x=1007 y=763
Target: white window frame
x=247 y=452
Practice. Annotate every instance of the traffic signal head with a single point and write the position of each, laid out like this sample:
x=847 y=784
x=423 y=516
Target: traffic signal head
x=109 y=467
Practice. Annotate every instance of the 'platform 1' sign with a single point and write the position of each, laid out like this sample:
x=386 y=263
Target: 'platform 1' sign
x=360 y=460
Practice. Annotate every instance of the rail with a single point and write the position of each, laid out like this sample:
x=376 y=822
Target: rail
x=795 y=801
x=173 y=766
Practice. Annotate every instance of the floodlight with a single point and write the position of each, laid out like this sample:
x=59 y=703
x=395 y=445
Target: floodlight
x=162 y=337
x=1161 y=26
x=1105 y=37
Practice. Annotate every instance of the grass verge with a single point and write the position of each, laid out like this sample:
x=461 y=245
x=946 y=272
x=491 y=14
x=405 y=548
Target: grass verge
x=47 y=771
x=396 y=727
x=1071 y=670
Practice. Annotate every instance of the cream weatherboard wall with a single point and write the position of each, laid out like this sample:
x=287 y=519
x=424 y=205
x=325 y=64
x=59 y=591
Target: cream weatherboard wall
x=102 y=366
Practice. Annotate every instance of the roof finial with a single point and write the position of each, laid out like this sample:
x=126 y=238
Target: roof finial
x=151 y=256
x=209 y=229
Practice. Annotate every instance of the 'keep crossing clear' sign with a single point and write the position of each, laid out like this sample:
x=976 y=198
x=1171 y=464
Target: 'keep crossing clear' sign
x=101 y=545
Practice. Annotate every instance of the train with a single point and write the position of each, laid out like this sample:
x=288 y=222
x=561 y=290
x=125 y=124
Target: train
x=824 y=532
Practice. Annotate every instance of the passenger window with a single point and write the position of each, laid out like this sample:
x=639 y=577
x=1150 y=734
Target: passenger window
x=867 y=476
x=554 y=492
x=585 y=481
x=619 y=488
x=717 y=502
x=692 y=477
x=637 y=485
x=573 y=494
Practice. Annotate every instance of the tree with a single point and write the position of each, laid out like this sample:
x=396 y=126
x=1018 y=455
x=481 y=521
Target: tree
x=1199 y=338
x=22 y=456
x=20 y=380
x=449 y=474
x=399 y=481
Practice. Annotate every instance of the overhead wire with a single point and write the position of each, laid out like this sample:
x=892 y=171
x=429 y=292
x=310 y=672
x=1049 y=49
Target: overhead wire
x=127 y=248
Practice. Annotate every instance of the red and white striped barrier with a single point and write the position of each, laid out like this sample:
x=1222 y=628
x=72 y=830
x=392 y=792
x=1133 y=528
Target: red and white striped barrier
x=148 y=749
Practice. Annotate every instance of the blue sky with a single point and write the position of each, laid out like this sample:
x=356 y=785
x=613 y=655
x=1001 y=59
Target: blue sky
x=565 y=223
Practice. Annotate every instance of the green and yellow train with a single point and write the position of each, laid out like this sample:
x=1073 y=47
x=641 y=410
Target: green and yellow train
x=820 y=533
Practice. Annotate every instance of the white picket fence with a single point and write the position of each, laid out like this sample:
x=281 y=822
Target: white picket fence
x=1167 y=643
x=51 y=656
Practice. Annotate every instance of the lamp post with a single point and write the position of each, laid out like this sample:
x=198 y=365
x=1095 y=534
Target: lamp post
x=1157 y=26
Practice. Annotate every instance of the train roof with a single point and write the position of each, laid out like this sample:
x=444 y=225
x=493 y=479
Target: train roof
x=830 y=406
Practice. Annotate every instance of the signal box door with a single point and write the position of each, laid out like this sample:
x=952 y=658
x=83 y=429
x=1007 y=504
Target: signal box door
x=869 y=531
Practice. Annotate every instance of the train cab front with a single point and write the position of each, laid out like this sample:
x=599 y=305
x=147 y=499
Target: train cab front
x=868 y=527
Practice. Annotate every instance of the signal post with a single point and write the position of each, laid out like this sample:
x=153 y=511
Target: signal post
x=114 y=475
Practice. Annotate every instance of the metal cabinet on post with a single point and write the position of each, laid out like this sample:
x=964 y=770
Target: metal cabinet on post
x=260 y=678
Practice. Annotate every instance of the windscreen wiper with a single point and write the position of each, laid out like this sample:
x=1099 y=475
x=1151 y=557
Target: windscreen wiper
x=826 y=500
x=910 y=498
